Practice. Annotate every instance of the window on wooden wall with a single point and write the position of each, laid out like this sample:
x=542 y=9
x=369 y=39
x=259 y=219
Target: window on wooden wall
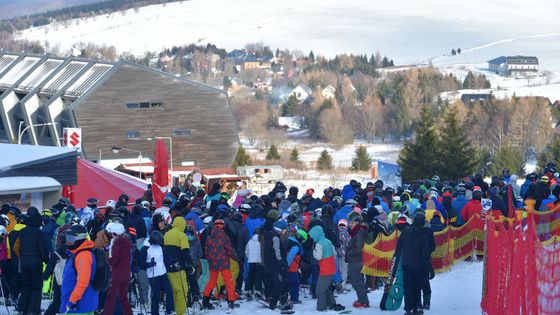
x=182 y=132
x=144 y=105
x=132 y=134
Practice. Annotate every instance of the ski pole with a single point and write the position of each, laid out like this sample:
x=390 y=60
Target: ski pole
x=3 y=297
x=183 y=289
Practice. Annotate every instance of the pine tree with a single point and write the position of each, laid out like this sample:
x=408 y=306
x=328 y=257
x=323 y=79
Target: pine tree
x=312 y=57
x=453 y=52
x=507 y=157
x=361 y=161
x=457 y=155
x=551 y=153
x=242 y=158
x=419 y=158
x=470 y=81
x=294 y=155
x=290 y=107
x=325 y=161
x=273 y=153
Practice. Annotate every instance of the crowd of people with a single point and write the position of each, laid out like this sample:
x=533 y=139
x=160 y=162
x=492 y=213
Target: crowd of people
x=200 y=247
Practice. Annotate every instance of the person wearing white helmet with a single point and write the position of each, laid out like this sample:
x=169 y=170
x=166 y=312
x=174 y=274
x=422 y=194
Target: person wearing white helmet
x=120 y=251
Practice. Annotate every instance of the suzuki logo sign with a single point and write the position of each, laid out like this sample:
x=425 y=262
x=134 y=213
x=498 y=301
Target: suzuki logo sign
x=73 y=138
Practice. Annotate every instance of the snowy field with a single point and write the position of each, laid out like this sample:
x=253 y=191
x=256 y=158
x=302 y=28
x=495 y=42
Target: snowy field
x=407 y=31
x=456 y=292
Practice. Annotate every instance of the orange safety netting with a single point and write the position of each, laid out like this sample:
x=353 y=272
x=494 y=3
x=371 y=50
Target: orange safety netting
x=522 y=265
x=452 y=245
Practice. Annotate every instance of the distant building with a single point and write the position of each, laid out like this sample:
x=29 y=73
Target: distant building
x=302 y=92
x=329 y=91
x=115 y=104
x=515 y=66
x=469 y=98
x=291 y=122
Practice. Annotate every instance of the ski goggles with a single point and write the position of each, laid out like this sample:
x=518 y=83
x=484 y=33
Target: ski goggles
x=71 y=239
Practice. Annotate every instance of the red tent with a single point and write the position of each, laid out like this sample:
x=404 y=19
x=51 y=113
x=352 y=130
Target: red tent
x=161 y=173
x=104 y=184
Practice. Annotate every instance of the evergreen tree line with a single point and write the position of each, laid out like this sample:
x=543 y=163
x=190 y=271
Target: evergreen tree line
x=73 y=12
x=445 y=149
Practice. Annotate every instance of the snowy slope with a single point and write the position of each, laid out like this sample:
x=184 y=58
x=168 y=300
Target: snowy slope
x=456 y=292
x=408 y=31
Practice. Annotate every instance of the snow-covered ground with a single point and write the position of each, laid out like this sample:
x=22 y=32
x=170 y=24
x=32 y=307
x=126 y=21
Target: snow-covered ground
x=407 y=31
x=456 y=292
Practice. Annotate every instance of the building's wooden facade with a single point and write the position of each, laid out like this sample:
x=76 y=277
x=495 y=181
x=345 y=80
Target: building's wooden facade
x=116 y=104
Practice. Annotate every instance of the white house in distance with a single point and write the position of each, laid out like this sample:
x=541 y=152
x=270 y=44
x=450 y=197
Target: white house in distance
x=328 y=92
x=302 y=92
x=515 y=66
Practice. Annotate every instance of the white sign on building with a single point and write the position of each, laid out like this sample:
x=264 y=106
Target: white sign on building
x=73 y=138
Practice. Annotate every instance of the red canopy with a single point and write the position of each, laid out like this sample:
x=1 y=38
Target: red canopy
x=160 y=180
x=104 y=184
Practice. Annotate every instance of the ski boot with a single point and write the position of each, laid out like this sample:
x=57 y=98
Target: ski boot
x=231 y=307
x=339 y=307
x=358 y=304
x=427 y=298
x=249 y=295
x=206 y=303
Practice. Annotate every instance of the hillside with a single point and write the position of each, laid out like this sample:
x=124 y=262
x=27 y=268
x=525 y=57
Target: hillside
x=11 y=8
x=409 y=32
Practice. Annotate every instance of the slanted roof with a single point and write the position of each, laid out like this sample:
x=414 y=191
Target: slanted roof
x=522 y=60
x=498 y=61
x=516 y=60
x=19 y=184
x=20 y=155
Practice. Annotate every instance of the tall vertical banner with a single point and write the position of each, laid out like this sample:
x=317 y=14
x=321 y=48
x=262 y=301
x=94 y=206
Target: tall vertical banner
x=389 y=173
x=72 y=138
x=161 y=173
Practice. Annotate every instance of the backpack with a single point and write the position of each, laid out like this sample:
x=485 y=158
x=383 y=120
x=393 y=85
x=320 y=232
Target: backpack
x=100 y=282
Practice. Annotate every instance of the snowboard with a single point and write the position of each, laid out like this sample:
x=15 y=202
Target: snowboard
x=393 y=292
x=267 y=305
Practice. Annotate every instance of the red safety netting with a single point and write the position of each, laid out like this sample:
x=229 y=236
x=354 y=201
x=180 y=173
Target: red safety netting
x=521 y=272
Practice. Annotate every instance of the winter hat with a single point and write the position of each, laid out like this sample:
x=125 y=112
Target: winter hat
x=145 y=204
x=402 y=219
x=351 y=202
x=419 y=218
x=273 y=215
x=310 y=192
x=207 y=220
x=354 y=216
x=243 y=192
x=294 y=191
x=280 y=225
x=219 y=223
x=379 y=209
x=343 y=222
x=477 y=188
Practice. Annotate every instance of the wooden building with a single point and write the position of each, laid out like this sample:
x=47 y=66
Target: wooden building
x=115 y=104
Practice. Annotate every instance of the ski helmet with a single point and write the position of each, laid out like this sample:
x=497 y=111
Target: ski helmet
x=3 y=231
x=115 y=228
x=76 y=235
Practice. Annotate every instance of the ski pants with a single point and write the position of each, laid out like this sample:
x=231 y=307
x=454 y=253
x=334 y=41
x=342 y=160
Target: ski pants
x=357 y=281
x=314 y=277
x=324 y=292
x=414 y=280
x=255 y=277
x=157 y=285
x=31 y=285
x=293 y=282
x=117 y=289
x=180 y=289
x=226 y=275
x=55 y=304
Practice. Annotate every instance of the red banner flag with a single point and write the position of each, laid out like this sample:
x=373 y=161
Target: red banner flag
x=160 y=179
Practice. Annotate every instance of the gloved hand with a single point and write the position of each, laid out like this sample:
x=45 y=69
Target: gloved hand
x=432 y=274
x=72 y=306
x=152 y=263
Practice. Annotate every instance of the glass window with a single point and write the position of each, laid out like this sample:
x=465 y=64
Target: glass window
x=145 y=105
x=132 y=105
x=157 y=105
x=132 y=134
x=182 y=132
